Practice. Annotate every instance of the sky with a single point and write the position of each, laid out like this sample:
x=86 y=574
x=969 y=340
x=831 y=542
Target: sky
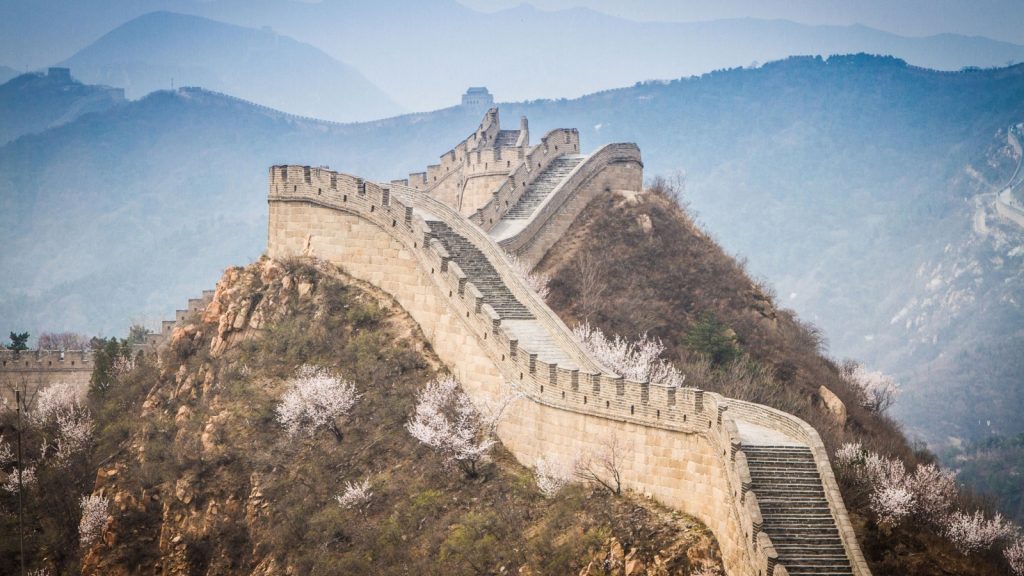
x=996 y=19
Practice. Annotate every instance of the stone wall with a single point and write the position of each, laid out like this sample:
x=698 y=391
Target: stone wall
x=612 y=167
x=684 y=446
x=34 y=370
x=469 y=175
x=554 y=144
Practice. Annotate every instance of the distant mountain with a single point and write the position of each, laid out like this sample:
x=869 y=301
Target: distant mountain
x=854 y=185
x=7 y=73
x=155 y=50
x=426 y=52
x=34 y=102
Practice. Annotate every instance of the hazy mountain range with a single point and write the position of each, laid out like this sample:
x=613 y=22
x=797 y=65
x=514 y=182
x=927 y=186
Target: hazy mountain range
x=859 y=187
x=424 y=53
x=34 y=102
x=155 y=50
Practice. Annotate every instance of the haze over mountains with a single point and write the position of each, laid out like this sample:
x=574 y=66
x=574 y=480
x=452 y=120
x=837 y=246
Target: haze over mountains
x=861 y=188
x=7 y=73
x=34 y=102
x=424 y=52
x=847 y=184
x=158 y=49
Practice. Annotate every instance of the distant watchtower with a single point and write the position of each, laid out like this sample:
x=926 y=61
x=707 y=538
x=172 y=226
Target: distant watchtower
x=59 y=74
x=477 y=97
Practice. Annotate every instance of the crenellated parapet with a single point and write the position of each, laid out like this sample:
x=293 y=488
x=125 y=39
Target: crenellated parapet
x=33 y=370
x=31 y=360
x=613 y=167
x=468 y=175
x=553 y=145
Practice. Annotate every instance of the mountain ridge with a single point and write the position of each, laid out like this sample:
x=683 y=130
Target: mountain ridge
x=774 y=159
x=158 y=48
x=608 y=51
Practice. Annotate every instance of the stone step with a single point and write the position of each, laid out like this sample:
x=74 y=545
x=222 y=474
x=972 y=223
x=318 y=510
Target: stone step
x=539 y=189
x=796 y=514
x=480 y=272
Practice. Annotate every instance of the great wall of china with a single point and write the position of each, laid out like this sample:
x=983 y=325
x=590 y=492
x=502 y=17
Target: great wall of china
x=439 y=241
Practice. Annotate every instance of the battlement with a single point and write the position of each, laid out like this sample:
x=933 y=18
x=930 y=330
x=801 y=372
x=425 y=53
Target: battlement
x=46 y=359
x=468 y=174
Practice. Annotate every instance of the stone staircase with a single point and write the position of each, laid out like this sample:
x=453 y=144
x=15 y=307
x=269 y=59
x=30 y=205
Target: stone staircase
x=536 y=192
x=506 y=138
x=480 y=272
x=796 y=513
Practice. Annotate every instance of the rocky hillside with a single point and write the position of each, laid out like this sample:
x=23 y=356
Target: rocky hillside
x=637 y=263
x=205 y=481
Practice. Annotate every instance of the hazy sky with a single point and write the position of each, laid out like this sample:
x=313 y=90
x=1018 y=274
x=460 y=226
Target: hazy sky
x=998 y=19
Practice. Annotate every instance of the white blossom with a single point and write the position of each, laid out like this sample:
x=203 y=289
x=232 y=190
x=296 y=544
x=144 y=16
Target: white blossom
x=94 y=518
x=875 y=391
x=6 y=453
x=973 y=532
x=935 y=490
x=536 y=281
x=447 y=421
x=53 y=401
x=66 y=424
x=315 y=398
x=552 y=476
x=355 y=495
x=849 y=455
x=28 y=478
x=639 y=361
x=892 y=504
x=123 y=365
x=1014 y=555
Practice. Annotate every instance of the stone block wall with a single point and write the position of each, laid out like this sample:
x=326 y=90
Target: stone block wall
x=684 y=446
x=554 y=144
x=612 y=167
x=34 y=370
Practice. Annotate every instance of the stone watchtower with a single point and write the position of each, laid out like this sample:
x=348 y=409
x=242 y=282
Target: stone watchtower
x=478 y=97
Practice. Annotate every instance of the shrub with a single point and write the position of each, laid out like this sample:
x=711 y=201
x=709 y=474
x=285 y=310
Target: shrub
x=714 y=340
x=94 y=517
x=356 y=494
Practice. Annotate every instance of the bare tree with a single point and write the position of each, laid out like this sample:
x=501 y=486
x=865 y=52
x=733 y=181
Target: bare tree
x=603 y=467
x=591 y=273
x=63 y=341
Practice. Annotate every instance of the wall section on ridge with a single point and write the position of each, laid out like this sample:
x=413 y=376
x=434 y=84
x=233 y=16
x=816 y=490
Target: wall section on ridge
x=612 y=167
x=683 y=445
